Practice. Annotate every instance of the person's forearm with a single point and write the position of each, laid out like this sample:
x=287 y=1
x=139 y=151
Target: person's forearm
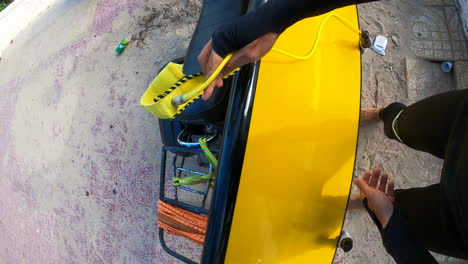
x=399 y=240
x=273 y=17
x=401 y=244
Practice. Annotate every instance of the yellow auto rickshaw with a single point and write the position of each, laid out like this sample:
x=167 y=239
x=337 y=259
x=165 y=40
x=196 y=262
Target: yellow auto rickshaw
x=284 y=133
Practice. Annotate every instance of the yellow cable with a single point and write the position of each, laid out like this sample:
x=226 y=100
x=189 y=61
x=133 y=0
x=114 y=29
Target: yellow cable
x=317 y=38
x=182 y=99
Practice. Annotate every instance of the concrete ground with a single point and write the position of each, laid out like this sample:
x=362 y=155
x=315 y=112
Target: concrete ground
x=80 y=157
x=426 y=33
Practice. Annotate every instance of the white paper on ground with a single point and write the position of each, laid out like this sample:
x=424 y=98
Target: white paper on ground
x=380 y=44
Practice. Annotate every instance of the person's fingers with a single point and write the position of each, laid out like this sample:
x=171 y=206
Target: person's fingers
x=362 y=185
x=212 y=64
x=390 y=189
x=383 y=183
x=219 y=82
x=209 y=61
x=207 y=93
x=205 y=55
x=374 y=178
x=366 y=176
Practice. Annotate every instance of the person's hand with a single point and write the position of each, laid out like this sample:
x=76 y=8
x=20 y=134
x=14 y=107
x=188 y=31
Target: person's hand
x=379 y=193
x=209 y=60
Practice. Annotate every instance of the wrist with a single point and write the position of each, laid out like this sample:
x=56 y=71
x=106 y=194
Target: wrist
x=384 y=216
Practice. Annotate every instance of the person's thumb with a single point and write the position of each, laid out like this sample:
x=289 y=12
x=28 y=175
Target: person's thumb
x=208 y=92
x=362 y=185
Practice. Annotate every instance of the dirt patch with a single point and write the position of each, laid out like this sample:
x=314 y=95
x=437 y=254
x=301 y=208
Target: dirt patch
x=159 y=18
x=402 y=75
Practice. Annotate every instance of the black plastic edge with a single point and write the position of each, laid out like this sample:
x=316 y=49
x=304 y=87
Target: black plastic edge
x=235 y=137
x=170 y=251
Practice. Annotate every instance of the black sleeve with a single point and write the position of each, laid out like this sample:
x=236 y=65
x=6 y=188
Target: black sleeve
x=400 y=242
x=274 y=16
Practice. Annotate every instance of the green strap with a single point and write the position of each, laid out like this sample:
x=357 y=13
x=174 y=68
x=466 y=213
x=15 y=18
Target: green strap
x=211 y=158
x=197 y=179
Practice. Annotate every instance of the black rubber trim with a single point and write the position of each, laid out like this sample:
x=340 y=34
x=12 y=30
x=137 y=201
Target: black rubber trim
x=170 y=251
x=235 y=137
x=236 y=131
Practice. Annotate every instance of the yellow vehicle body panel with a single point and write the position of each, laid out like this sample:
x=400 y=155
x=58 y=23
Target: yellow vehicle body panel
x=300 y=153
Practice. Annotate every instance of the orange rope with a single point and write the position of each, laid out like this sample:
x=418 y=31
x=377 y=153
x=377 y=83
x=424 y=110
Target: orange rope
x=180 y=222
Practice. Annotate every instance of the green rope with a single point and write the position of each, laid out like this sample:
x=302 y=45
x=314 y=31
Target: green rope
x=197 y=179
x=211 y=158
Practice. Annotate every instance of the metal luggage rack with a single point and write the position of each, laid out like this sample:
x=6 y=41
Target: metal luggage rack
x=180 y=156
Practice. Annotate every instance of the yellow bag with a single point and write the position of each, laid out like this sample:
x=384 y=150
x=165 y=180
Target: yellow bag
x=171 y=85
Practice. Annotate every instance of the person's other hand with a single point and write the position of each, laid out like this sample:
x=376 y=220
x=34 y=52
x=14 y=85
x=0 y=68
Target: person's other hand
x=209 y=60
x=379 y=193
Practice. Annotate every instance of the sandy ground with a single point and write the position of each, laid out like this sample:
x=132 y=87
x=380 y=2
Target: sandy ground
x=79 y=157
x=402 y=75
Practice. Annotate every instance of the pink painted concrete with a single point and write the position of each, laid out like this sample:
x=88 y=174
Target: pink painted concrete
x=79 y=158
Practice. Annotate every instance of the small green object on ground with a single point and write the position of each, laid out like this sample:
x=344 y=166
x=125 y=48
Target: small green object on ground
x=3 y=5
x=120 y=48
